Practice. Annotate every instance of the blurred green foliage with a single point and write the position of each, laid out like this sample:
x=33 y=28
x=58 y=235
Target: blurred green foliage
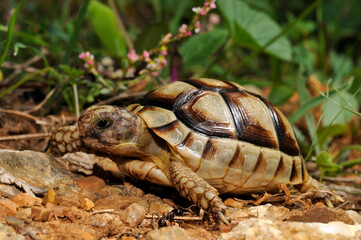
x=276 y=44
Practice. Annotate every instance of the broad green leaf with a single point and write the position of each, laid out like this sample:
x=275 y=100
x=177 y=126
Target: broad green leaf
x=253 y=29
x=305 y=58
x=198 y=48
x=280 y=94
x=104 y=23
x=324 y=162
x=341 y=66
x=325 y=133
x=335 y=114
x=308 y=105
x=150 y=36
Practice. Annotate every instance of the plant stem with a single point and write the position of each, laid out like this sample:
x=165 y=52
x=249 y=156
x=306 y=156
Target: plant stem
x=74 y=36
x=24 y=80
x=10 y=32
x=120 y=24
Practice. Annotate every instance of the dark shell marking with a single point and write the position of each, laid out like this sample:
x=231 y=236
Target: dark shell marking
x=226 y=110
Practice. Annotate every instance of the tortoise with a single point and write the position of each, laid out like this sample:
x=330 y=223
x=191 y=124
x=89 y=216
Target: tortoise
x=204 y=137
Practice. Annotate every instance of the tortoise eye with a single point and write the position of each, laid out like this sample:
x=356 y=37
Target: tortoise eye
x=102 y=124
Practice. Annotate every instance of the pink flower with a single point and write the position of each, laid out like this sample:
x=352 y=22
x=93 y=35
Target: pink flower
x=132 y=55
x=166 y=38
x=88 y=58
x=213 y=4
x=155 y=74
x=183 y=28
x=163 y=50
x=81 y=55
x=189 y=33
x=203 y=12
x=146 y=56
x=198 y=27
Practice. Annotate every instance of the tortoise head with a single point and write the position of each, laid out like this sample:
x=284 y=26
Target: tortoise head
x=107 y=129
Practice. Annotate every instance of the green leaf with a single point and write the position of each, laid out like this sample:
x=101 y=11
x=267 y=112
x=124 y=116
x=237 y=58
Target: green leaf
x=198 y=48
x=341 y=66
x=10 y=32
x=329 y=132
x=253 y=29
x=330 y=109
x=324 y=162
x=308 y=105
x=150 y=36
x=280 y=94
x=104 y=23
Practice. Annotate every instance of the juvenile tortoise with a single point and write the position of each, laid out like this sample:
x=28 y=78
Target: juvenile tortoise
x=203 y=136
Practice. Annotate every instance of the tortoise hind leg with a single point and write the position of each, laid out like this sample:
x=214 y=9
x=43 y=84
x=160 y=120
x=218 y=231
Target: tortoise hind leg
x=196 y=189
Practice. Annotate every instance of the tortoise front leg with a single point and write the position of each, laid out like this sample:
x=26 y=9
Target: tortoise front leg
x=143 y=170
x=196 y=189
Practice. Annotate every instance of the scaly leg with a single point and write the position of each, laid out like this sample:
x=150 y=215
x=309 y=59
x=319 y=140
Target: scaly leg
x=196 y=189
x=142 y=170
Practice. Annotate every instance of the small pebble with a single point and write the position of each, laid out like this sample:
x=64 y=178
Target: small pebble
x=87 y=204
x=41 y=214
x=50 y=197
x=133 y=215
x=91 y=183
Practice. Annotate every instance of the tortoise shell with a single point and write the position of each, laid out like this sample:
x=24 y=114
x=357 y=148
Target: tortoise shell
x=231 y=137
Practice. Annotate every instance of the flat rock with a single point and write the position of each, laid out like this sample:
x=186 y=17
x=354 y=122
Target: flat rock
x=34 y=172
x=8 y=191
x=256 y=228
x=322 y=214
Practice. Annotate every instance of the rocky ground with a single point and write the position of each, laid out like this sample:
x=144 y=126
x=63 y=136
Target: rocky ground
x=81 y=196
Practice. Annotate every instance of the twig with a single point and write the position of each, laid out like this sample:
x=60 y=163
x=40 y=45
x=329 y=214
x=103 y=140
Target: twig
x=184 y=218
x=25 y=136
x=40 y=105
x=25 y=115
x=76 y=99
x=103 y=211
x=24 y=66
x=2 y=146
x=341 y=179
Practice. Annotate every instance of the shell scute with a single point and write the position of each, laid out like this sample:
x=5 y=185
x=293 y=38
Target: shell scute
x=231 y=137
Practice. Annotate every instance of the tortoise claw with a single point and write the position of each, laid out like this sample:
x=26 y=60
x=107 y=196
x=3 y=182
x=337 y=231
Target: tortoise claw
x=222 y=217
x=196 y=189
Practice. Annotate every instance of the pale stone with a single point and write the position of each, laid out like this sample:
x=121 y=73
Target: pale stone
x=256 y=228
x=168 y=233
